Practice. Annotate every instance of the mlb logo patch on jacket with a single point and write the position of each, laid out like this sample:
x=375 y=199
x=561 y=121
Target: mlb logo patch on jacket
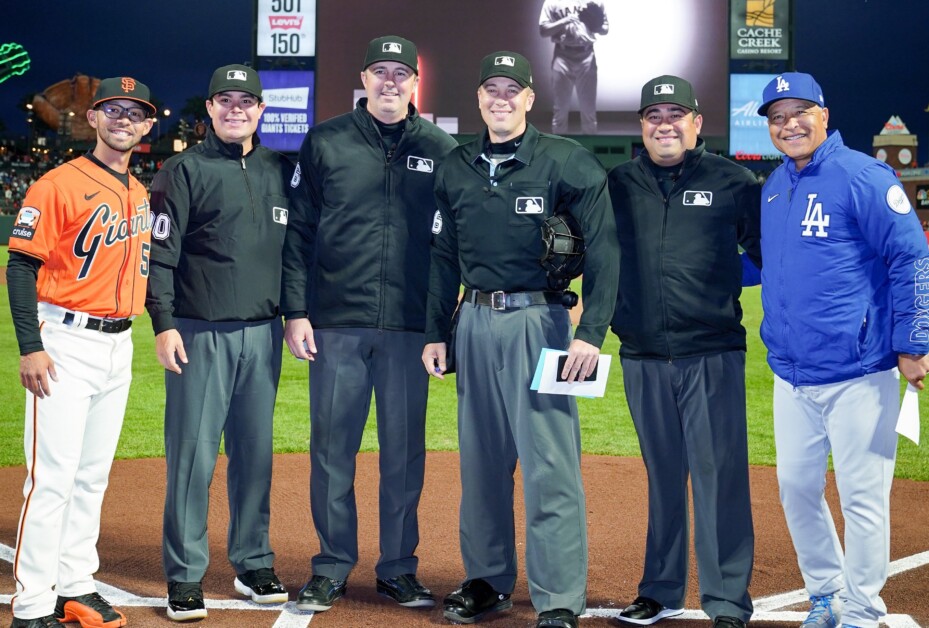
x=529 y=205
x=696 y=197
x=419 y=164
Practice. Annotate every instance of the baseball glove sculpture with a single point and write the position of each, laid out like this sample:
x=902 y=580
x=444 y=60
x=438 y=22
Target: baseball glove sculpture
x=75 y=95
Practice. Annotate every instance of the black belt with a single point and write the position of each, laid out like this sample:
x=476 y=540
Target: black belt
x=501 y=300
x=106 y=325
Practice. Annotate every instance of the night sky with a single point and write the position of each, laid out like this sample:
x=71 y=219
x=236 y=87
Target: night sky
x=871 y=57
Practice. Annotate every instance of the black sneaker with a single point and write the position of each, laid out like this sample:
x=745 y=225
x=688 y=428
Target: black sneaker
x=262 y=585
x=645 y=611
x=473 y=600
x=49 y=621
x=407 y=591
x=724 y=621
x=558 y=618
x=89 y=609
x=320 y=593
x=185 y=601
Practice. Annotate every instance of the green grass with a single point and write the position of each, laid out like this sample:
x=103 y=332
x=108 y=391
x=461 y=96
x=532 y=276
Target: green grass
x=605 y=423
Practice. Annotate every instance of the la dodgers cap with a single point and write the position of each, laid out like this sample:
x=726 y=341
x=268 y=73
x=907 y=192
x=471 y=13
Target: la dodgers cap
x=509 y=64
x=392 y=48
x=235 y=78
x=124 y=87
x=791 y=85
x=668 y=89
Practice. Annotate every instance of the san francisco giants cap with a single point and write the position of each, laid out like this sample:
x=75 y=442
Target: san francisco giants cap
x=392 y=48
x=235 y=78
x=791 y=85
x=668 y=89
x=509 y=64
x=124 y=88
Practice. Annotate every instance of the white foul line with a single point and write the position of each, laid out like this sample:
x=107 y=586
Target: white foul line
x=290 y=617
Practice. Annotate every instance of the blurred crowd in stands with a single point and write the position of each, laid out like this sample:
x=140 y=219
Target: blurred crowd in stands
x=19 y=169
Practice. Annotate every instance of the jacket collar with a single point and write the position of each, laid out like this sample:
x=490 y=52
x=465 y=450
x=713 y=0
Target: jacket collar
x=523 y=154
x=832 y=143
x=691 y=156
x=364 y=119
x=233 y=150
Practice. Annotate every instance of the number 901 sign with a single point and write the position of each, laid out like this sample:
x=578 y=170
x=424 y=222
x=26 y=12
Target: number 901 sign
x=286 y=28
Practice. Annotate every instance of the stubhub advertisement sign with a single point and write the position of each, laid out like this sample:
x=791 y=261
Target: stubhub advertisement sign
x=290 y=106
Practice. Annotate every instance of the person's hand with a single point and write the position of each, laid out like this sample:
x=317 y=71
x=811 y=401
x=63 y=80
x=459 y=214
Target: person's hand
x=913 y=368
x=582 y=359
x=298 y=334
x=35 y=369
x=169 y=347
x=434 y=359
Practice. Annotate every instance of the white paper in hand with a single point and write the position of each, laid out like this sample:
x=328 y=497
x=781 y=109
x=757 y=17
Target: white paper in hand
x=908 y=419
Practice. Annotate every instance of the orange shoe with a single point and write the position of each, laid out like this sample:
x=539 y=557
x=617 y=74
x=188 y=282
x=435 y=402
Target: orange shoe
x=90 y=609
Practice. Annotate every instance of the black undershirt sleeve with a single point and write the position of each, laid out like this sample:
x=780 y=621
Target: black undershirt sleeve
x=22 y=271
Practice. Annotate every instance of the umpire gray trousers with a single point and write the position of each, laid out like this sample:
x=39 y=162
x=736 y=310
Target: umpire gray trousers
x=689 y=415
x=349 y=364
x=226 y=391
x=499 y=420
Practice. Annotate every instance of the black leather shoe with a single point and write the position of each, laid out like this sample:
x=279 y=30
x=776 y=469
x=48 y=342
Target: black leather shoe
x=320 y=593
x=558 y=618
x=407 y=591
x=724 y=621
x=473 y=600
x=262 y=585
x=185 y=601
x=645 y=611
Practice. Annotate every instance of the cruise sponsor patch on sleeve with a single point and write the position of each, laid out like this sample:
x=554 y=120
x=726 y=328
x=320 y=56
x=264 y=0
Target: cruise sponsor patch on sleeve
x=26 y=222
x=437 y=222
x=897 y=200
x=295 y=180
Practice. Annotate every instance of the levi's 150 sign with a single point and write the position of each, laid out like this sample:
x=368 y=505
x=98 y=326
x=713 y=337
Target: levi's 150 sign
x=286 y=28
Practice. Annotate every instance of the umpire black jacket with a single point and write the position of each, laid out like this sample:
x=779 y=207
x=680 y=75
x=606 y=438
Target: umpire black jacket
x=681 y=276
x=488 y=236
x=359 y=257
x=219 y=224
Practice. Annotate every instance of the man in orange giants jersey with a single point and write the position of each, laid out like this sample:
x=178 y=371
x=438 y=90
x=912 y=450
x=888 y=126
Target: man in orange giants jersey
x=79 y=257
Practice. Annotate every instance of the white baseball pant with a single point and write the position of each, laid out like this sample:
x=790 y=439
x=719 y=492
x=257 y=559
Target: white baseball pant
x=855 y=420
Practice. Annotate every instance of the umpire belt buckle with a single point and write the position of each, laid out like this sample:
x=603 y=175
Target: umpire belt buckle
x=498 y=300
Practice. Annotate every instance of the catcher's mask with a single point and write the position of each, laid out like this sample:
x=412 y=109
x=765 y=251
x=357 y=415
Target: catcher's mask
x=563 y=257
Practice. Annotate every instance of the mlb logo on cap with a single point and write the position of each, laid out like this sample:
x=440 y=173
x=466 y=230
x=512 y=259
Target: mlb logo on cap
x=508 y=64
x=392 y=48
x=664 y=88
x=235 y=78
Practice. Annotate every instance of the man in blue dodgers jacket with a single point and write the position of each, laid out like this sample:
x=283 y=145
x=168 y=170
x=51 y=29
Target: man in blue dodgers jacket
x=846 y=300
x=356 y=272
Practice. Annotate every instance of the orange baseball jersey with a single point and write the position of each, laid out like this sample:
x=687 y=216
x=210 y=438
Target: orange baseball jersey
x=93 y=237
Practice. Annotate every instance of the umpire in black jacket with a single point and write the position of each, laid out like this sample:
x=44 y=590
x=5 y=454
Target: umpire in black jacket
x=681 y=214
x=356 y=270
